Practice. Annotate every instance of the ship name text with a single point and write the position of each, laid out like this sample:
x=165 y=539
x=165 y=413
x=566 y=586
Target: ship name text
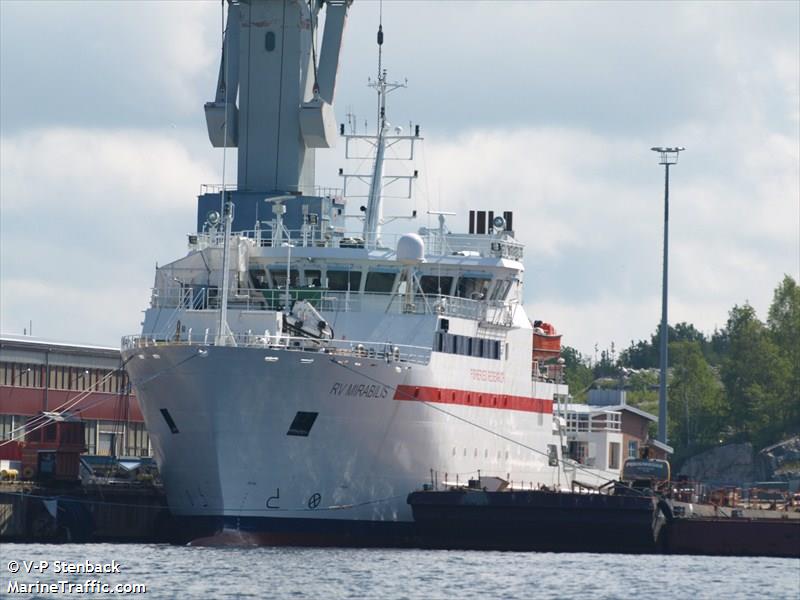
x=359 y=390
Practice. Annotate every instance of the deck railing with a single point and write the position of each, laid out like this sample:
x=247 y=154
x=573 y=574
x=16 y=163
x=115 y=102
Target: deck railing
x=207 y=298
x=435 y=244
x=357 y=350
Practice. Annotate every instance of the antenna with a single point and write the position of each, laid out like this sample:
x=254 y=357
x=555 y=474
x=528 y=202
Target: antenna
x=383 y=140
x=380 y=36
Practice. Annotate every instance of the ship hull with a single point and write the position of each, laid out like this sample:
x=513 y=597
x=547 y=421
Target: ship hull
x=224 y=427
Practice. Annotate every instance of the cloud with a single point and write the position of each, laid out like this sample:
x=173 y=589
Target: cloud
x=85 y=214
x=546 y=109
x=106 y=64
x=73 y=312
x=590 y=210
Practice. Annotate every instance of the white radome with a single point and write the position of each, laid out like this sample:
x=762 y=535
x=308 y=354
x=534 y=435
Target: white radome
x=410 y=249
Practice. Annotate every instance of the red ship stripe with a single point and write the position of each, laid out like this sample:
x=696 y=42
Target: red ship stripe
x=470 y=398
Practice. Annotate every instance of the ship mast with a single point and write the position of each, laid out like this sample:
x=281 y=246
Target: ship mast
x=374 y=215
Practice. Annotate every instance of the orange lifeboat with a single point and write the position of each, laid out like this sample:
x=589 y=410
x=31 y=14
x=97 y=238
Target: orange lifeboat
x=546 y=341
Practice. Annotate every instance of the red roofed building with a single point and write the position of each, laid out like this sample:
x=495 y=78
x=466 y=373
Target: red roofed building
x=39 y=376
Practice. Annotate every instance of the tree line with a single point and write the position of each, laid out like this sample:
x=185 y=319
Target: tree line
x=740 y=383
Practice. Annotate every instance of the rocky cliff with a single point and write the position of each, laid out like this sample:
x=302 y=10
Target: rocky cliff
x=738 y=464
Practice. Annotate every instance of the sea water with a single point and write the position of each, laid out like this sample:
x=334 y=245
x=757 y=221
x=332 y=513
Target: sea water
x=31 y=571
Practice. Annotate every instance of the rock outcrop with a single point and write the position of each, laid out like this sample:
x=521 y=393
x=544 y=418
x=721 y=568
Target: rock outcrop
x=739 y=464
x=783 y=459
x=733 y=464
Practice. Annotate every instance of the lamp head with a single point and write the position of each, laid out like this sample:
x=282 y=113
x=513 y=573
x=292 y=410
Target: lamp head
x=669 y=155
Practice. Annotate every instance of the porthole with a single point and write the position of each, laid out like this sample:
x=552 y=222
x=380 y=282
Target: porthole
x=269 y=41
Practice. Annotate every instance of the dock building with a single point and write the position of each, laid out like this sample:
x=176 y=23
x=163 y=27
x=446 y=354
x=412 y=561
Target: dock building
x=38 y=375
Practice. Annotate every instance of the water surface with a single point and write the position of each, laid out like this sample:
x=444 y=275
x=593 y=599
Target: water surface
x=187 y=572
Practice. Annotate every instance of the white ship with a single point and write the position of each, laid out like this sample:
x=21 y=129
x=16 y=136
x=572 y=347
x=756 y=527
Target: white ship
x=299 y=380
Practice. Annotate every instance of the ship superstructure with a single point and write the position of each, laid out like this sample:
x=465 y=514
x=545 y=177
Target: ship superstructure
x=299 y=379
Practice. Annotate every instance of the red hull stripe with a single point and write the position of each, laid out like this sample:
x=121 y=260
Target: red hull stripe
x=469 y=398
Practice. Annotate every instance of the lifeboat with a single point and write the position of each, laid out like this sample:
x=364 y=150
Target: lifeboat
x=546 y=341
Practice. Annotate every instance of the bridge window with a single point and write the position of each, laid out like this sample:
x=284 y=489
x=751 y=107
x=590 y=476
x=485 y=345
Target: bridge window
x=380 y=281
x=435 y=285
x=279 y=277
x=259 y=279
x=344 y=280
x=313 y=278
x=474 y=288
x=501 y=289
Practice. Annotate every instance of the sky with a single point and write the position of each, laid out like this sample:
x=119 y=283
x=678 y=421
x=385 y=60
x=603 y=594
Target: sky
x=546 y=109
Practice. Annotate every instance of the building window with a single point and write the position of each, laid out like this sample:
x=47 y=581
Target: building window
x=579 y=451
x=137 y=440
x=613 y=455
x=12 y=427
x=633 y=449
x=552 y=455
x=90 y=436
x=109 y=438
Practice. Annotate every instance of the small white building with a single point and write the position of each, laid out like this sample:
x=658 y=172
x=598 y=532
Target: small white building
x=601 y=435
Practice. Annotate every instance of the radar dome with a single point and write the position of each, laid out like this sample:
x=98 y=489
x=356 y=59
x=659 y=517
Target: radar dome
x=410 y=249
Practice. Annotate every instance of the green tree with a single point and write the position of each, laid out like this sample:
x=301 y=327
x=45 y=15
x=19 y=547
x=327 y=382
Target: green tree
x=645 y=354
x=606 y=366
x=639 y=355
x=783 y=321
x=642 y=390
x=756 y=377
x=577 y=373
x=697 y=410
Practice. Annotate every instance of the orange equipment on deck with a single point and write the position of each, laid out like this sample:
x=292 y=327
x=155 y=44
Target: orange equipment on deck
x=546 y=342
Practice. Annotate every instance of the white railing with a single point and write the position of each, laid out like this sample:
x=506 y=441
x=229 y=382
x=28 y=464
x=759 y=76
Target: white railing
x=594 y=424
x=216 y=188
x=208 y=298
x=485 y=245
x=382 y=351
x=435 y=244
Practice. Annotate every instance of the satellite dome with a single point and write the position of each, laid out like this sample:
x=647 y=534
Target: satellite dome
x=410 y=249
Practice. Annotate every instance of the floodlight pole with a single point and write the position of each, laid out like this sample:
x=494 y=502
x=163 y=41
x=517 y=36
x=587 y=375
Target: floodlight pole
x=669 y=156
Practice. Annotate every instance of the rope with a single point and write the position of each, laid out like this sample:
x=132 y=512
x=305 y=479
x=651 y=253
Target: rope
x=69 y=404
x=42 y=420
x=472 y=423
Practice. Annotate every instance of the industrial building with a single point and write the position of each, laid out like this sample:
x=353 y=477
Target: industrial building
x=39 y=376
